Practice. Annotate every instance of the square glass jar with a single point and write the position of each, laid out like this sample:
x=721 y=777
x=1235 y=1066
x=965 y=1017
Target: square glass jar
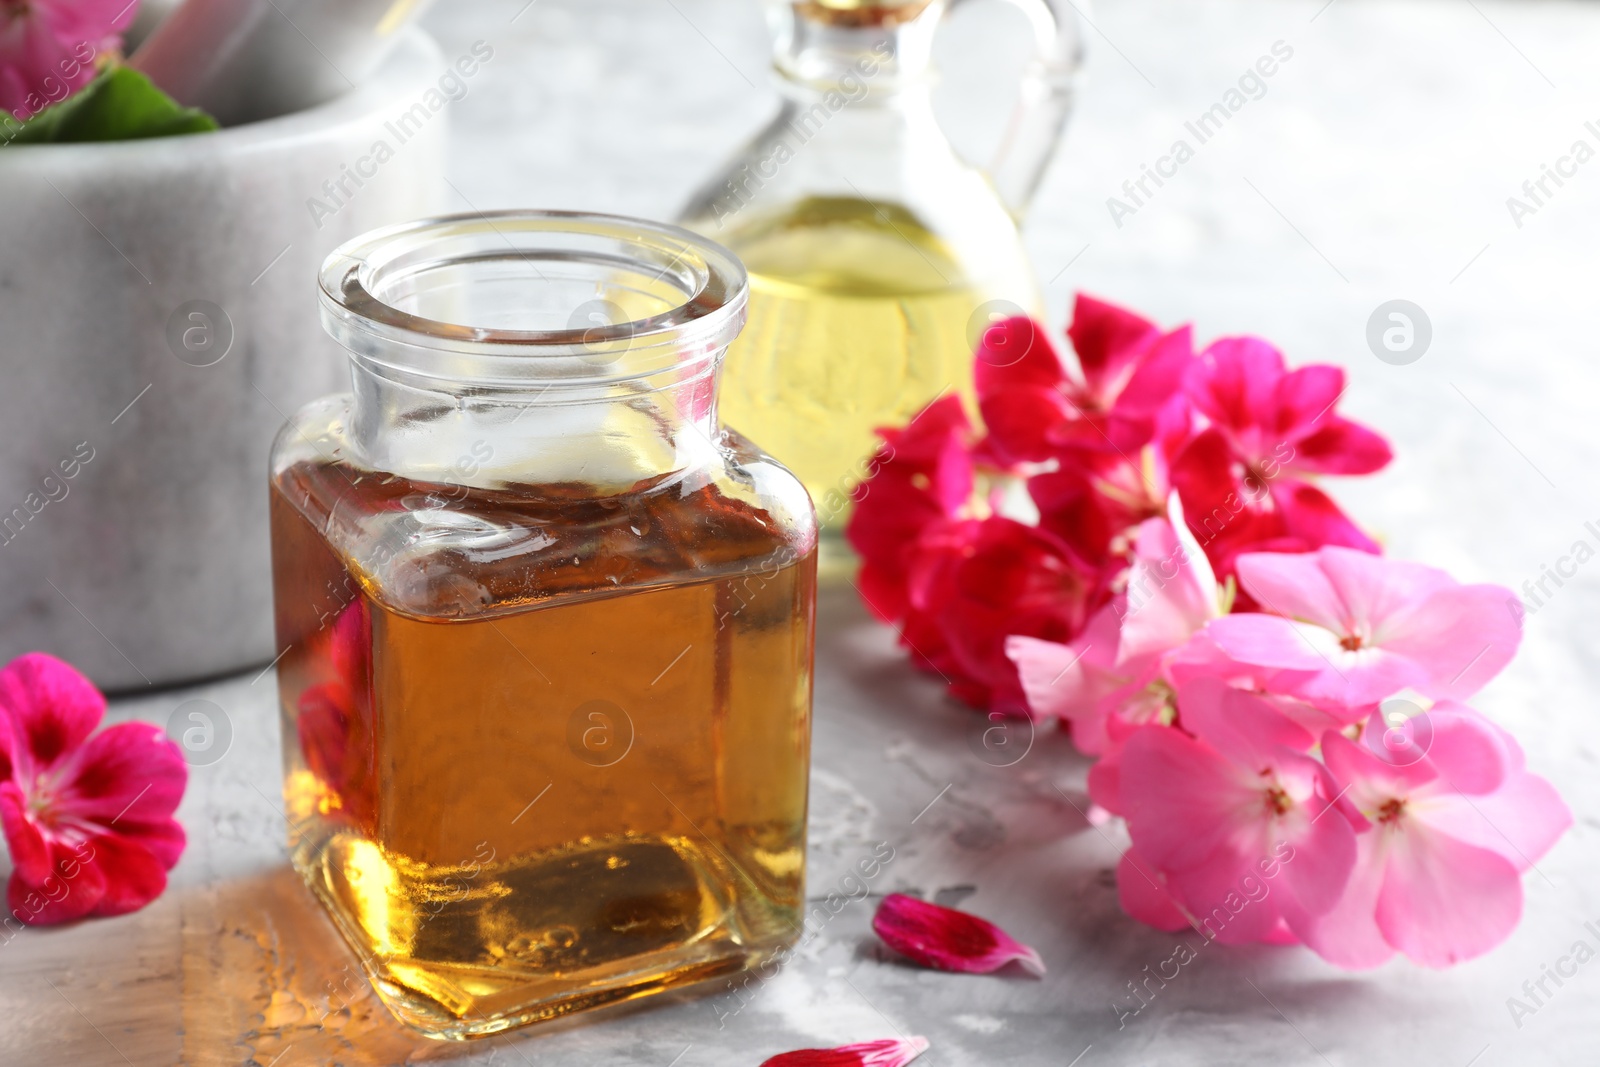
x=546 y=627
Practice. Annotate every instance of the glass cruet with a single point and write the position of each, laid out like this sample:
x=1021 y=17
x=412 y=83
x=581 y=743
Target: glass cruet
x=876 y=254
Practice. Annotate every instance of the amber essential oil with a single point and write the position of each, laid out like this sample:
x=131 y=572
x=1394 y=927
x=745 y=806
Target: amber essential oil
x=546 y=750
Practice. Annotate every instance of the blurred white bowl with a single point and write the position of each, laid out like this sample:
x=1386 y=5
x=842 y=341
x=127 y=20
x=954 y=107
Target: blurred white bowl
x=160 y=320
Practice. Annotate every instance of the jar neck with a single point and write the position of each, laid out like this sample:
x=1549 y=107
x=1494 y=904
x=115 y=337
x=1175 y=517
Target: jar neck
x=868 y=53
x=608 y=438
x=533 y=348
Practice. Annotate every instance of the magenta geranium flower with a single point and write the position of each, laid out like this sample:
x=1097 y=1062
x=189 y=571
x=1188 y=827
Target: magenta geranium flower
x=973 y=583
x=88 y=818
x=1363 y=628
x=1128 y=371
x=49 y=48
x=947 y=939
x=1276 y=419
x=894 y=1052
x=923 y=476
x=1269 y=428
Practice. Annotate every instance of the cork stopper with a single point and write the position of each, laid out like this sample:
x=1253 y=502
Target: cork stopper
x=861 y=14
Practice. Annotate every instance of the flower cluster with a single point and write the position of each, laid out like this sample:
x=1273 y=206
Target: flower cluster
x=49 y=49
x=87 y=816
x=1137 y=550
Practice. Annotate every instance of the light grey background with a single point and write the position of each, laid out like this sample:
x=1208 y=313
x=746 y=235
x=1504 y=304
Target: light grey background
x=1376 y=167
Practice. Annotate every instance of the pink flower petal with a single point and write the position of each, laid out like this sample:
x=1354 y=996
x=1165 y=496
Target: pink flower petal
x=1446 y=890
x=126 y=774
x=1234 y=382
x=947 y=939
x=1334 y=676
x=1019 y=421
x=1171 y=591
x=1268 y=641
x=1381 y=625
x=1444 y=901
x=896 y=1052
x=1161 y=372
x=1348 y=934
x=1062 y=680
x=133 y=875
x=1184 y=802
x=1145 y=898
x=1521 y=821
x=1230 y=901
x=41 y=48
x=30 y=853
x=1241 y=726
x=1463 y=634
x=72 y=890
x=1304 y=399
x=52 y=709
x=1294 y=587
x=1081 y=683
x=1371 y=781
x=1105 y=782
x=1466 y=749
x=1373 y=589
x=1015 y=354
x=1311 y=517
x=1342 y=447
x=1106 y=338
x=1323 y=856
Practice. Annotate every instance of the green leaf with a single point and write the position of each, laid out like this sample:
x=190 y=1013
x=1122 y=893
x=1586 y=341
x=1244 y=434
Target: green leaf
x=119 y=105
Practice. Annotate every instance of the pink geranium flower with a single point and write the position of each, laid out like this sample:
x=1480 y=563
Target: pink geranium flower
x=1085 y=685
x=1235 y=818
x=895 y=1052
x=48 y=48
x=949 y=940
x=1112 y=677
x=88 y=818
x=1363 y=628
x=1445 y=839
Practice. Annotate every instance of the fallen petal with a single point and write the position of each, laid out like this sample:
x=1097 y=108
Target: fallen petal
x=893 y=1053
x=949 y=940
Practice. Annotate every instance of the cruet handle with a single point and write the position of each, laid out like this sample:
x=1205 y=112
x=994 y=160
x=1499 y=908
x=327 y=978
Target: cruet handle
x=1046 y=97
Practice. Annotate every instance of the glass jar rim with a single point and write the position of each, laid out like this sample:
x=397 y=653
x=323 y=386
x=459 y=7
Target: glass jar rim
x=360 y=312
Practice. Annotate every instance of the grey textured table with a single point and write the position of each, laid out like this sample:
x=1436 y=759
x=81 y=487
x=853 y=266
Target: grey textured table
x=1376 y=166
